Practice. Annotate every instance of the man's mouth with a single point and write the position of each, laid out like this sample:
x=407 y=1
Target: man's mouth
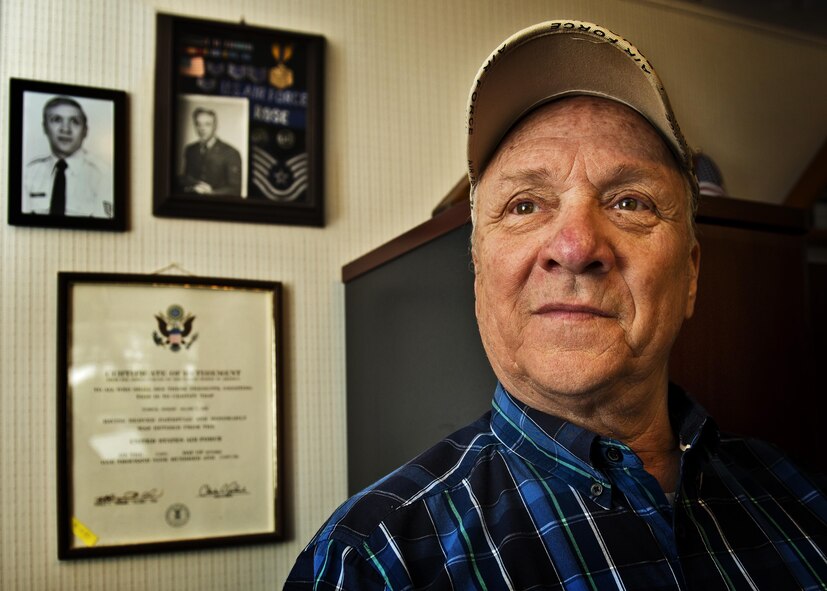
x=572 y=311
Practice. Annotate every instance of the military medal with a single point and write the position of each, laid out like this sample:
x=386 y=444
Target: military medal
x=281 y=76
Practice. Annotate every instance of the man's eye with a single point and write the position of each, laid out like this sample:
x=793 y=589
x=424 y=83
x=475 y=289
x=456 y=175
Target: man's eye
x=630 y=204
x=524 y=207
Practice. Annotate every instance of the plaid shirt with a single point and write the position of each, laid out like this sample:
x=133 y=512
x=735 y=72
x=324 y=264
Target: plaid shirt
x=523 y=500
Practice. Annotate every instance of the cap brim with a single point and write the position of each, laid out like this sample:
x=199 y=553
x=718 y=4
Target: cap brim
x=556 y=59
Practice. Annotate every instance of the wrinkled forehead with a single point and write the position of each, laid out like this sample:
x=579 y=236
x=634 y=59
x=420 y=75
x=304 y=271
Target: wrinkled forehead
x=604 y=121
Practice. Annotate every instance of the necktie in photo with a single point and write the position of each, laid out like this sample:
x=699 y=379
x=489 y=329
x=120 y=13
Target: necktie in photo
x=58 y=205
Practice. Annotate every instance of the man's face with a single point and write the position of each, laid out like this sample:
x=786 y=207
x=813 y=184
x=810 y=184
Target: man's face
x=586 y=264
x=65 y=127
x=205 y=126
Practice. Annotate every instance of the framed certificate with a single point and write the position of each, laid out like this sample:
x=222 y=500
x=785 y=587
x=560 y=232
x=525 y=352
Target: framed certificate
x=168 y=413
x=238 y=123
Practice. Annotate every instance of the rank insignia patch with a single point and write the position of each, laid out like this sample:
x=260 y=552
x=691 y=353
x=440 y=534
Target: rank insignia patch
x=279 y=180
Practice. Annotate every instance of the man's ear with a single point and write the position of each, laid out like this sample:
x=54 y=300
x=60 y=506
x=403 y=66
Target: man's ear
x=694 y=269
x=475 y=270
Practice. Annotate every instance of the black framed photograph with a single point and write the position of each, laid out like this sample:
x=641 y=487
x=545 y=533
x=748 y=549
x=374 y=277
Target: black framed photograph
x=168 y=431
x=238 y=123
x=67 y=156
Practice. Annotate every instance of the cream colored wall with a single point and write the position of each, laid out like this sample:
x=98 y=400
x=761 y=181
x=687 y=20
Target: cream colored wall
x=397 y=78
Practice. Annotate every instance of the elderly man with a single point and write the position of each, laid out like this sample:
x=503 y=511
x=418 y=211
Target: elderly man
x=69 y=180
x=211 y=167
x=591 y=471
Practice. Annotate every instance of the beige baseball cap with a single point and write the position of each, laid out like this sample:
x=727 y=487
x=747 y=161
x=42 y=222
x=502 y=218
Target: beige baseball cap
x=556 y=59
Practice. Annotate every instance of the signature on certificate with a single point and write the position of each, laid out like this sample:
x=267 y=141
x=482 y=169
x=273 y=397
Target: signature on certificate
x=225 y=490
x=130 y=497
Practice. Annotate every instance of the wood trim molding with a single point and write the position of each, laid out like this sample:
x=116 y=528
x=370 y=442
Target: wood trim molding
x=812 y=184
x=458 y=193
x=450 y=219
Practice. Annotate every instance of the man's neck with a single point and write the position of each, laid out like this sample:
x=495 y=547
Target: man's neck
x=658 y=448
x=67 y=157
x=635 y=414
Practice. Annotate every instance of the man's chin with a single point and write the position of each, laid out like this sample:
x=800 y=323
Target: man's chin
x=572 y=375
x=62 y=151
x=575 y=387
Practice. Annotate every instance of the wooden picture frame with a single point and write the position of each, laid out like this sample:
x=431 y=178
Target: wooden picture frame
x=67 y=156
x=238 y=123
x=168 y=433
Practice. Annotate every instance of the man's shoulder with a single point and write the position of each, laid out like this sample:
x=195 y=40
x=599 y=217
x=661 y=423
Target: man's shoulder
x=225 y=148
x=435 y=471
x=91 y=161
x=39 y=162
x=756 y=460
x=750 y=452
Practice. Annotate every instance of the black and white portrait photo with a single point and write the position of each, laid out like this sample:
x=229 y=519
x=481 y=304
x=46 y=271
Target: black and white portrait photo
x=212 y=145
x=66 y=156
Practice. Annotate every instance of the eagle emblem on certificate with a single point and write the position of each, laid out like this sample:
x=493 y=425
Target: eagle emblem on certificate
x=174 y=329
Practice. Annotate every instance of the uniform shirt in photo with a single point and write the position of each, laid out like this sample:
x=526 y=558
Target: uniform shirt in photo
x=216 y=163
x=88 y=186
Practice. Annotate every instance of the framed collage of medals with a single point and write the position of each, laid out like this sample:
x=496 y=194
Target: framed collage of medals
x=238 y=123
x=168 y=431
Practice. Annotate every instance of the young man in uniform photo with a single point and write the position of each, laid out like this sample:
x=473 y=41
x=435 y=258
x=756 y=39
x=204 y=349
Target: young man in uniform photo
x=69 y=181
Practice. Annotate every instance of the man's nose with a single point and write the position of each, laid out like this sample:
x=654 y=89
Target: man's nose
x=577 y=240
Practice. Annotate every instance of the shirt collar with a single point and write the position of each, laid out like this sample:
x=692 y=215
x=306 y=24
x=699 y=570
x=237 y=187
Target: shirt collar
x=550 y=442
x=694 y=426
x=76 y=156
x=545 y=441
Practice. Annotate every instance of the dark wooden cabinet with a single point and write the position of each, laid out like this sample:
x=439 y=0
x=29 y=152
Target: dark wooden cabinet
x=416 y=370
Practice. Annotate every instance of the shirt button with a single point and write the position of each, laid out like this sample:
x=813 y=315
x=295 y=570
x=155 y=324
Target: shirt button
x=614 y=454
x=596 y=489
